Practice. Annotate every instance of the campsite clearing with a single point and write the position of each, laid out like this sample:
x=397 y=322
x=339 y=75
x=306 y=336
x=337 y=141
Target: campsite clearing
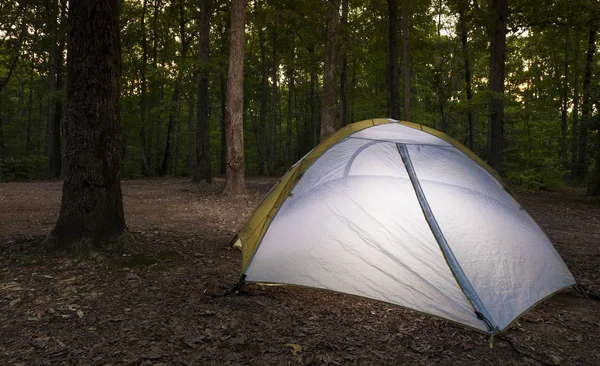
x=157 y=308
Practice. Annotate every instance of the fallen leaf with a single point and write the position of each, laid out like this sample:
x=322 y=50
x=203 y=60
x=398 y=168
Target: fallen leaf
x=80 y=313
x=295 y=348
x=467 y=346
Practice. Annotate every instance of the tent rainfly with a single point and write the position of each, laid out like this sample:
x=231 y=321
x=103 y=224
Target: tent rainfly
x=402 y=213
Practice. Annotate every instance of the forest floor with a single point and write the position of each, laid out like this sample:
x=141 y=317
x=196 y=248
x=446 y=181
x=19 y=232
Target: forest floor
x=157 y=309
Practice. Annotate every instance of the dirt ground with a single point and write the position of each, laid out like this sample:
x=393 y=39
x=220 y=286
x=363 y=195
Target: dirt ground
x=157 y=309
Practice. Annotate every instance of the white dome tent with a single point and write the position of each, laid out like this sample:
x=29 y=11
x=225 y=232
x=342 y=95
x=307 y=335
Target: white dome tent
x=398 y=212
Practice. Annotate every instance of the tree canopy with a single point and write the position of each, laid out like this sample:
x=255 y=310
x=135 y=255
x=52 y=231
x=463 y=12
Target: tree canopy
x=550 y=99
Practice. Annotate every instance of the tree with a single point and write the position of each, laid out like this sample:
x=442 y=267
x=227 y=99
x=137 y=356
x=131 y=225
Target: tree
x=234 y=118
x=329 y=71
x=586 y=107
x=394 y=72
x=468 y=77
x=54 y=144
x=344 y=56
x=203 y=170
x=497 y=62
x=91 y=213
x=405 y=64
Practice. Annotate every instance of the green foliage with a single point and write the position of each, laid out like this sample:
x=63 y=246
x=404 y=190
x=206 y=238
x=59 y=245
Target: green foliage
x=539 y=41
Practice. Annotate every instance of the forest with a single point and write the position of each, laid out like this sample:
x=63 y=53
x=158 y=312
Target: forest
x=428 y=62
x=143 y=142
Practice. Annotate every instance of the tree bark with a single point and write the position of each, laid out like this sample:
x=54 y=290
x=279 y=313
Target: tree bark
x=314 y=84
x=394 y=66
x=468 y=78
x=54 y=144
x=405 y=63
x=263 y=103
x=190 y=165
x=223 y=90
x=575 y=128
x=274 y=103
x=290 y=108
x=328 y=103
x=175 y=97
x=344 y=56
x=234 y=122
x=564 y=106
x=497 y=62
x=29 y=112
x=203 y=164
x=582 y=163
x=146 y=158
x=91 y=214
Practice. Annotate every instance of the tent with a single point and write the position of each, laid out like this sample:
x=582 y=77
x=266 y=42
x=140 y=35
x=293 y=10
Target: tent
x=402 y=213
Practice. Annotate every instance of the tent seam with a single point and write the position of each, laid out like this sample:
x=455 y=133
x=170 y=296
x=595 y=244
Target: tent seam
x=461 y=278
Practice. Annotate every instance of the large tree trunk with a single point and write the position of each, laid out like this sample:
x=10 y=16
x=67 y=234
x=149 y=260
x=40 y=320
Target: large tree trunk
x=394 y=67
x=328 y=103
x=203 y=171
x=497 y=61
x=234 y=122
x=344 y=56
x=468 y=78
x=586 y=108
x=54 y=144
x=274 y=103
x=91 y=214
x=405 y=64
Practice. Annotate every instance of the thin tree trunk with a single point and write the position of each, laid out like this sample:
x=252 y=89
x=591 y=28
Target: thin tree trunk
x=564 y=107
x=314 y=84
x=1 y=141
x=344 y=56
x=468 y=78
x=394 y=66
x=223 y=80
x=263 y=103
x=405 y=64
x=58 y=116
x=29 y=112
x=91 y=214
x=223 y=157
x=54 y=144
x=274 y=102
x=234 y=123
x=175 y=97
x=497 y=61
x=288 y=145
x=582 y=164
x=190 y=165
x=575 y=129
x=146 y=168
x=203 y=164
x=329 y=99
